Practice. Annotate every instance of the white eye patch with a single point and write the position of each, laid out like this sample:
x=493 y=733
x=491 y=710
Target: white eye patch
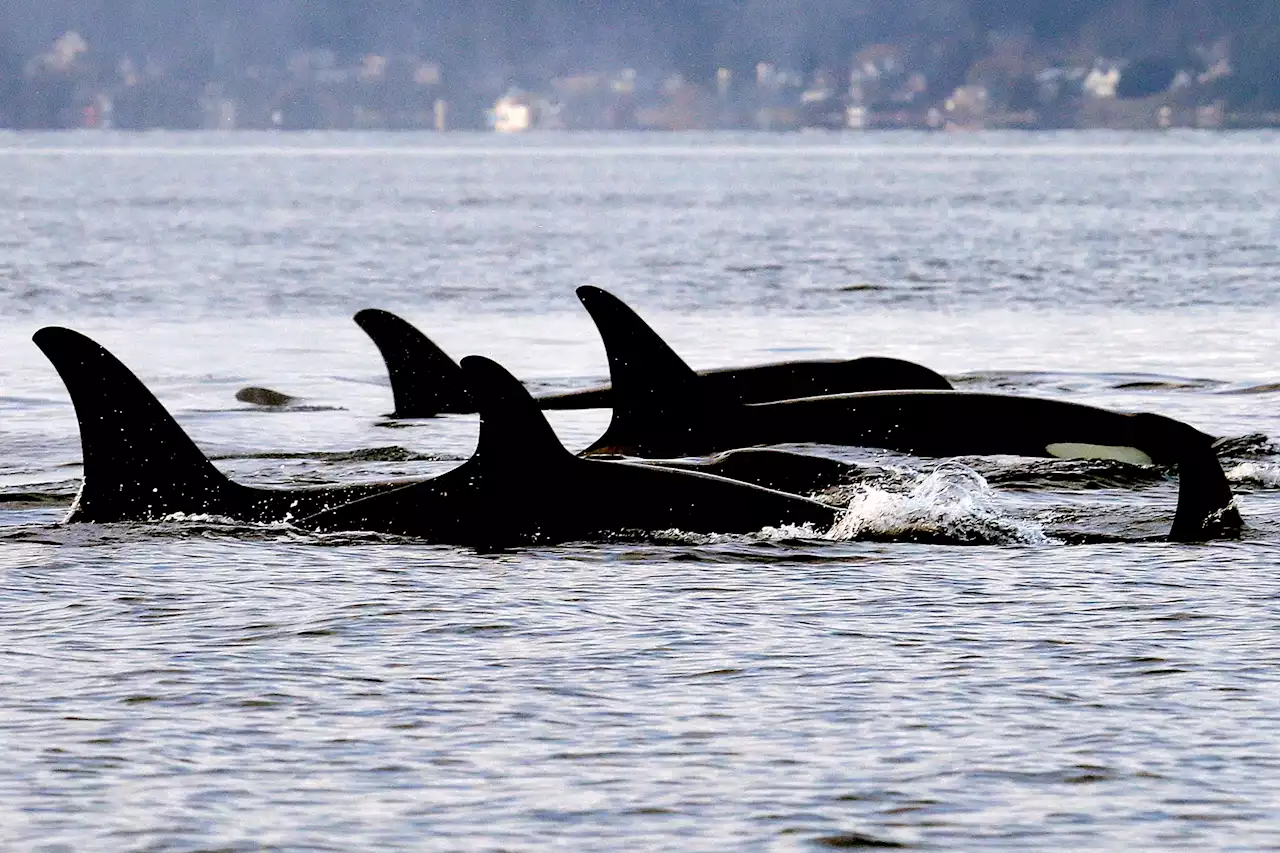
x=1072 y=450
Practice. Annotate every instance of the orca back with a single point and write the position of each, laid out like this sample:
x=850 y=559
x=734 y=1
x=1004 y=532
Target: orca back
x=788 y=380
x=521 y=486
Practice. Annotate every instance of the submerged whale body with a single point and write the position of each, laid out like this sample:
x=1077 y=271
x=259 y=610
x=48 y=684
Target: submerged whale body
x=661 y=410
x=784 y=470
x=140 y=465
x=425 y=381
x=523 y=486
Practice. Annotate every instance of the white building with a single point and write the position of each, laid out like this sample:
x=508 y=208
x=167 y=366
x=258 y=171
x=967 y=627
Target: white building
x=512 y=114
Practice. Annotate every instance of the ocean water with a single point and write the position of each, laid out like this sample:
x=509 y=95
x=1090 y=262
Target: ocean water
x=200 y=686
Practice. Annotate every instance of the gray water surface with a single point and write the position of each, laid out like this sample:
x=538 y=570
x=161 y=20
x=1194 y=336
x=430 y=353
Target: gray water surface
x=198 y=686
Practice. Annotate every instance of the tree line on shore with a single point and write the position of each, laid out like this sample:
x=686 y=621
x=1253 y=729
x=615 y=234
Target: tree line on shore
x=485 y=46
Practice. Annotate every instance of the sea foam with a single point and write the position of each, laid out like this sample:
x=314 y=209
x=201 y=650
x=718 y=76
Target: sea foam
x=951 y=504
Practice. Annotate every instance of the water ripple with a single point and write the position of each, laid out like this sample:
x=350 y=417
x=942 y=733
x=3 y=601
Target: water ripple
x=197 y=685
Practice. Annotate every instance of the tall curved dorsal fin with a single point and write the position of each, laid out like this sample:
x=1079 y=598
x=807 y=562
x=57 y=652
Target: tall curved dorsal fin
x=654 y=392
x=138 y=463
x=514 y=434
x=424 y=381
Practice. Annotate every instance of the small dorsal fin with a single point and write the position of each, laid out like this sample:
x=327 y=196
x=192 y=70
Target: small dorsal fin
x=424 y=381
x=513 y=431
x=265 y=397
x=654 y=392
x=138 y=463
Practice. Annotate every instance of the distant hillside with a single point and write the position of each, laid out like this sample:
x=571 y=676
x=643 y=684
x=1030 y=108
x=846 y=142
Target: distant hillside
x=494 y=42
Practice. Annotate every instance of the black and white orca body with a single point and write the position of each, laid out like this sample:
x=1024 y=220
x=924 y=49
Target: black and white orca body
x=661 y=410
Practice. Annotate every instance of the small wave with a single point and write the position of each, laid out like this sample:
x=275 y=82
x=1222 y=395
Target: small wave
x=59 y=496
x=1068 y=474
x=1262 y=474
x=790 y=533
x=392 y=453
x=1164 y=384
x=1075 y=382
x=199 y=518
x=1263 y=388
x=344 y=538
x=1250 y=444
x=176 y=526
x=676 y=536
x=951 y=505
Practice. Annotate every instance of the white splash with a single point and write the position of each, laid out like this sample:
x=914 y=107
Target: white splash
x=1255 y=474
x=790 y=533
x=781 y=533
x=196 y=518
x=951 y=504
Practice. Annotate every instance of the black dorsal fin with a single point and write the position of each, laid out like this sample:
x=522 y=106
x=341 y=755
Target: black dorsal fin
x=655 y=394
x=514 y=434
x=138 y=463
x=424 y=381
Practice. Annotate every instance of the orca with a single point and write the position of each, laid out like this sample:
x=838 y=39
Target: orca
x=426 y=382
x=523 y=487
x=140 y=465
x=662 y=410
x=126 y=480
x=138 y=462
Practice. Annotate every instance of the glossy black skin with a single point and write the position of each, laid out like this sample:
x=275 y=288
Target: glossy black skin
x=140 y=465
x=479 y=506
x=523 y=487
x=660 y=412
x=924 y=423
x=798 y=473
x=426 y=382
x=785 y=380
